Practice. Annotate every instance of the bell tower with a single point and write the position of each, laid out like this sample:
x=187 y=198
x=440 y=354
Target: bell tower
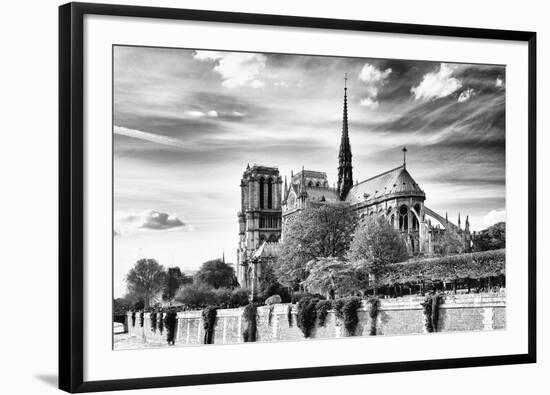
x=259 y=217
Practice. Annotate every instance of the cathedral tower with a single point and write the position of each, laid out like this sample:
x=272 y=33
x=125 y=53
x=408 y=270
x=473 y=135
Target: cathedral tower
x=345 y=173
x=259 y=217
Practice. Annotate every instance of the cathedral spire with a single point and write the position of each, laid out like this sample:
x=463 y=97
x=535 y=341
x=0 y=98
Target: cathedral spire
x=467 y=224
x=345 y=174
x=303 y=191
x=459 y=220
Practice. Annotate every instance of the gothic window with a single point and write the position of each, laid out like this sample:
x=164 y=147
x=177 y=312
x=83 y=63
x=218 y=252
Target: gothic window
x=415 y=222
x=310 y=184
x=262 y=192
x=403 y=218
x=318 y=184
x=272 y=239
x=269 y=194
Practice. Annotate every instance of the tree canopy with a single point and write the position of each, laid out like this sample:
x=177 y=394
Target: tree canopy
x=172 y=283
x=375 y=245
x=450 y=242
x=316 y=232
x=216 y=274
x=492 y=238
x=332 y=275
x=145 y=280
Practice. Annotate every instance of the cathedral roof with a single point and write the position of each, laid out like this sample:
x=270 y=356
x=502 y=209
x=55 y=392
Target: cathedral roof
x=394 y=181
x=317 y=194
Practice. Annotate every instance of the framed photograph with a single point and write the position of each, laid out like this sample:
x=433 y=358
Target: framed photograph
x=250 y=197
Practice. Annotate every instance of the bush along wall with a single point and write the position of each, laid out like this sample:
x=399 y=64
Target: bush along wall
x=338 y=307
x=133 y=319
x=250 y=328
x=270 y=314
x=307 y=315
x=323 y=307
x=160 y=322
x=374 y=308
x=351 y=318
x=209 y=322
x=153 y=321
x=141 y=318
x=431 y=311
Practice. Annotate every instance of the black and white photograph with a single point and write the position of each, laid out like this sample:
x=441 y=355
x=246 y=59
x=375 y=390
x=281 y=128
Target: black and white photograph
x=270 y=197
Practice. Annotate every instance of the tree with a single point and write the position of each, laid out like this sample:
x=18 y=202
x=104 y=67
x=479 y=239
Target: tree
x=123 y=305
x=173 y=281
x=492 y=238
x=217 y=274
x=317 y=232
x=332 y=275
x=145 y=280
x=375 y=245
x=449 y=243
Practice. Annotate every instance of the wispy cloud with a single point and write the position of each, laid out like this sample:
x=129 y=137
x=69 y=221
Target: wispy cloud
x=152 y=137
x=466 y=95
x=437 y=84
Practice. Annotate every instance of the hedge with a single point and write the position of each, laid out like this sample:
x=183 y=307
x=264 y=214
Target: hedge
x=474 y=265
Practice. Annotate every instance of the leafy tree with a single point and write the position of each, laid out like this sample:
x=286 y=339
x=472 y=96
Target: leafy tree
x=217 y=274
x=450 y=242
x=375 y=245
x=270 y=285
x=145 y=280
x=332 y=275
x=123 y=305
x=317 y=232
x=196 y=294
x=492 y=238
x=173 y=281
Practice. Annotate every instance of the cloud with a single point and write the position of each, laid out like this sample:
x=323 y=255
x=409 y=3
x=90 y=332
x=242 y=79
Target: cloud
x=237 y=114
x=466 y=95
x=130 y=222
x=195 y=114
x=236 y=68
x=368 y=102
x=152 y=137
x=494 y=216
x=437 y=84
x=212 y=113
x=499 y=82
x=372 y=78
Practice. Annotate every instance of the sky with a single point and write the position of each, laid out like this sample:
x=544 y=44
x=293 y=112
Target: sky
x=187 y=122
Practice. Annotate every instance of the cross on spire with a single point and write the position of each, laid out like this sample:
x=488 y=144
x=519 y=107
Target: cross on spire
x=404 y=149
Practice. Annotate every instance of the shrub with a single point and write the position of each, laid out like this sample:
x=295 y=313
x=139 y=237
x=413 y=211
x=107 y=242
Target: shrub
x=475 y=265
x=270 y=314
x=436 y=301
x=239 y=297
x=323 y=307
x=289 y=315
x=374 y=303
x=427 y=309
x=297 y=296
x=307 y=315
x=160 y=322
x=351 y=318
x=249 y=315
x=133 y=318
x=273 y=299
x=338 y=306
x=209 y=321
x=153 y=316
x=141 y=318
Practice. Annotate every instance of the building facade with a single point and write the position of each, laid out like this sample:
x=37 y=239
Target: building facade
x=393 y=194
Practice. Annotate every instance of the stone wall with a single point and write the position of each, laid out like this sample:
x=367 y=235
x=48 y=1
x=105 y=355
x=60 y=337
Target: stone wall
x=467 y=312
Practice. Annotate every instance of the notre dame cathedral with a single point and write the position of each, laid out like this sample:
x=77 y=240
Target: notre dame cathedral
x=267 y=207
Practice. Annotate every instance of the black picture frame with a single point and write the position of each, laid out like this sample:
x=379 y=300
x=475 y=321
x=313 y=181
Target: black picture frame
x=71 y=197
